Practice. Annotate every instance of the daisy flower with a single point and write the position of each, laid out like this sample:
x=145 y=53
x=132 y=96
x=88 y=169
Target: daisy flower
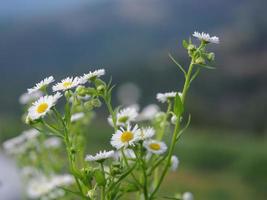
x=156 y=147
x=125 y=137
x=163 y=97
x=41 y=85
x=77 y=116
x=188 y=196
x=40 y=107
x=67 y=84
x=92 y=75
x=125 y=116
x=148 y=112
x=174 y=163
x=26 y=98
x=100 y=156
x=146 y=133
x=206 y=37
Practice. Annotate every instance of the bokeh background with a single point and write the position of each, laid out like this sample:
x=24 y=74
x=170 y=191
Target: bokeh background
x=224 y=154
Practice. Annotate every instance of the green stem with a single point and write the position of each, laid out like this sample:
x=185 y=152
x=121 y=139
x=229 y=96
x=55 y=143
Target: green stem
x=103 y=191
x=176 y=130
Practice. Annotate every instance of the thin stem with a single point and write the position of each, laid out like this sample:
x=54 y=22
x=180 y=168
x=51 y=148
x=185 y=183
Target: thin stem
x=176 y=129
x=103 y=191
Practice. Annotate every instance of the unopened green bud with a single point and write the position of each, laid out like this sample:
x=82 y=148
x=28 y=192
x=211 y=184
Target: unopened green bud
x=72 y=150
x=191 y=47
x=100 y=87
x=81 y=91
x=200 y=61
x=96 y=102
x=68 y=94
x=211 y=56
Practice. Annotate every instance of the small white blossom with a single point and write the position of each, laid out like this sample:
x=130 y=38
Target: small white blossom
x=154 y=146
x=43 y=105
x=28 y=98
x=100 y=156
x=92 y=75
x=67 y=84
x=42 y=186
x=188 y=196
x=77 y=116
x=163 y=97
x=125 y=116
x=42 y=84
x=52 y=142
x=206 y=37
x=125 y=137
x=19 y=143
x=146 y=133
x=174 y=163
x=148 y=113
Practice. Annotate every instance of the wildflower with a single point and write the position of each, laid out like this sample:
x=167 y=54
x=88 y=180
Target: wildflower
x=206 y=37
x=27 y=98
x=148 y=113
x=125 y=137
x=188 y=196
x=174 y=163
x=40 y=107
x=129 y=153
x=92 y=75
x=146 y=133
x=77 y=116
x=154 y=146
x=18 y=144
x=42 y=186
x=174 y=119
x=125 y=116
x=163 y=97
x=100 y=156
x=41 y=85
x=52 y=142
x=67 y=84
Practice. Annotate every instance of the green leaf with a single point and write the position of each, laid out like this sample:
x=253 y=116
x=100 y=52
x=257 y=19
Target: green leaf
x=185 y=44
x=99 y=177
x=178 y=65
x=178 y=105
x=186 y=126
x=208 y=67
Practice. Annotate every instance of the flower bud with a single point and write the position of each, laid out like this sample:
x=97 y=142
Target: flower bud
x=191 y=47
x=81 y=91
x=200 y=61
x=68 y=94
x=211 y=56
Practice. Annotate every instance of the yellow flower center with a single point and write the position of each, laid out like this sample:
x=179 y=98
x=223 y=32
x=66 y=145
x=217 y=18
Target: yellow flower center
x=42 y=107
x=67 y=84
x=126 y=136
x=154 y=146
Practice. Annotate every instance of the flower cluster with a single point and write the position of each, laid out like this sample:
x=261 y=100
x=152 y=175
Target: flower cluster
x=141 y=143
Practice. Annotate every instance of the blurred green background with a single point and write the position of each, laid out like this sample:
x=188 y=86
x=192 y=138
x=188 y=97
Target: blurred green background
x=223 y=155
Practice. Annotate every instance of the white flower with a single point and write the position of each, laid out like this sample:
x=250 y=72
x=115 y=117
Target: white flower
x=42 y=84
x=148 y=113
x=206 y=37
x=125 y=116
x=163 y=97
x=174 y=163
x=174 y=119
x=26 y=98
x=67 y=84
x=156 y=147
x=77 y=116
x=129 y=153
x=40 y=107
x=100 y=156
x=42 y=186
x=19 y=144
x=146 y=133
x=188 y=196
x=125 y=137
x=92 y=75
x=52 y=142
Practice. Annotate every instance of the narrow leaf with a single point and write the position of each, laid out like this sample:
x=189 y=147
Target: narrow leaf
x=175 y=62
x=178 y=106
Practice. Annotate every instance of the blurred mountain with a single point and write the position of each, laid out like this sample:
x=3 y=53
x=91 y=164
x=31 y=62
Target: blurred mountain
x=131 y=39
